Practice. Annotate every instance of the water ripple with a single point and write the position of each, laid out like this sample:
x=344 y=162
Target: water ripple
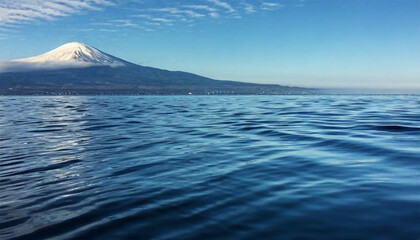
x=197 y=167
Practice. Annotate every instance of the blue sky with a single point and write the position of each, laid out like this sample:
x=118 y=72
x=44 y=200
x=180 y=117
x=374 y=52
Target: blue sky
x=313 y=43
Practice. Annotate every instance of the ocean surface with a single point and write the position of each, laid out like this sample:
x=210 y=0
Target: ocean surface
x=210 y=167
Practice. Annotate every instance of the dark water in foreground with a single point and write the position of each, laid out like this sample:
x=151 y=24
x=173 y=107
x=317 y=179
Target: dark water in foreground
x=220 y=167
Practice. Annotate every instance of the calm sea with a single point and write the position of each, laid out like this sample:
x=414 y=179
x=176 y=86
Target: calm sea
x=210 y=167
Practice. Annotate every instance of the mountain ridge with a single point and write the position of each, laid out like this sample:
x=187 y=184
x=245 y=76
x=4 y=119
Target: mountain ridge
x=77 y=68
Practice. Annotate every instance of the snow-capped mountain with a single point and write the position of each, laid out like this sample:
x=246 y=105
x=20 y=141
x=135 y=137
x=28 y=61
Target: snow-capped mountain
x=76 y=68
x=74 y=53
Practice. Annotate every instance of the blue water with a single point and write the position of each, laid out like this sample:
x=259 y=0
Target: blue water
x=210 y=167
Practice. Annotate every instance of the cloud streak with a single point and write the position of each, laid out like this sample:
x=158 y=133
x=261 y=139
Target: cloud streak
x=249 y=8
x=148 y=15
x=14 y=66
x=14 y=12
x=222 y=4
x=271 y=6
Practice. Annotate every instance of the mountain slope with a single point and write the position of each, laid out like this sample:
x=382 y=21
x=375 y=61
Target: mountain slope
x=76 y=68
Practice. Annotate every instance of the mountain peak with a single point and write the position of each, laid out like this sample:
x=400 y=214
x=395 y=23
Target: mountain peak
x=74 y=45
x=75 y=53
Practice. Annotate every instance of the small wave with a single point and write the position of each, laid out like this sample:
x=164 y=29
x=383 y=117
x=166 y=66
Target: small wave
x=234 y=167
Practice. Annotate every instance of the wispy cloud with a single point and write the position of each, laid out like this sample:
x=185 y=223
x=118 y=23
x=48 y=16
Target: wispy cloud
x=214 y=15
x=201 y=7
x=17 y=66
x=271 y=6
x=249 y=8
x=14 y=12
x=124 y=23
x=180 y=12
x=164 y=20
x=96 y=29
x=222 y=4
x=148 y=15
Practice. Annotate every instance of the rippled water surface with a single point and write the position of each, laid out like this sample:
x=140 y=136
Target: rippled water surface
x=210 y=167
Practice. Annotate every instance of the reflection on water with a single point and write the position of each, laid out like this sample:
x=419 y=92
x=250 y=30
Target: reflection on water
x=197 y=167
